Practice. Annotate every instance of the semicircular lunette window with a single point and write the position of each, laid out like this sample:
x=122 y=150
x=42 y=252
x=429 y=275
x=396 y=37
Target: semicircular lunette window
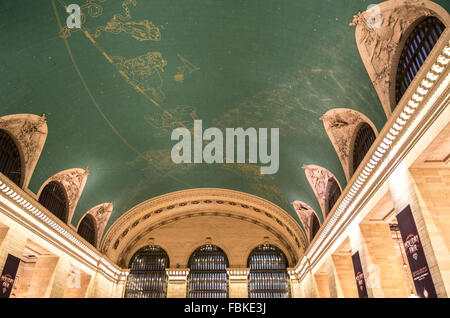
x=363 y=141
x=268 y=276
x=86 y=229
x=208 y=273
x=148 y=277
x=54 y=198
x=10 y=163
x=417 y=48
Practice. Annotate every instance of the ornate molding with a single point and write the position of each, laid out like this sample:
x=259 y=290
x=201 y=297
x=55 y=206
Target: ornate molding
x=30 y=132
x=380 y=33
x=73 y=181
x=340 y=125
x=179 y=203
x=138 y=238
x=319 y=178
x=101 y=213
x=305 y=213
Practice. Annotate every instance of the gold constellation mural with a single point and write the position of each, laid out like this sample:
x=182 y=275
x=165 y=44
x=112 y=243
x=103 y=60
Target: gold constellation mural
x=143 y=72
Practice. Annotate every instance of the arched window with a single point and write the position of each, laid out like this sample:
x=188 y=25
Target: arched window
x=208 y=273
x=333 y=193
x=363 y=141
x=315 y=226
x=417 y=47
x=148 y=278
x=86 y=229
x=268 y=276
x=10 y=163
x=54 y=198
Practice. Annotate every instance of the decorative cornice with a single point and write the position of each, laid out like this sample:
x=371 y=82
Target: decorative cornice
x=40 y=220
x=187 y=201
x=134 y=244
x=177 y=274
x=433 y=76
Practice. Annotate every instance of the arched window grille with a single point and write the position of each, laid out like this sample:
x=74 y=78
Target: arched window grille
x=417 y=47
x=148 y=277
x=333 y=194
x=10 y=163
x=268 y=276
x=86 y=229
x=54 y=198
x=208 y=273
x=363 y=141
x=315 y=226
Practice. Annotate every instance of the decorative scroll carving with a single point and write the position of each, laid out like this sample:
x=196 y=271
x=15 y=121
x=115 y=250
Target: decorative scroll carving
x=319 y=178
x=30 y=131
x=73 y=181
x=340 y=125
x=101 y=214
x=305 y=213
x=378 y=43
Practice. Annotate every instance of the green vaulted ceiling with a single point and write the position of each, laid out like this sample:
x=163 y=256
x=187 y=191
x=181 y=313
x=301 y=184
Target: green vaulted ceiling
x=230 y=63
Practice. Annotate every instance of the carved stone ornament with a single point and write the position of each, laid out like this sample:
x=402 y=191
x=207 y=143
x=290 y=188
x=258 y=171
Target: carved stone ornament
x=73 y=181
x=30 y=131
x=379 y=31
x=305 y=213
x=340 y=125
x=319 y=178
x=101 y=214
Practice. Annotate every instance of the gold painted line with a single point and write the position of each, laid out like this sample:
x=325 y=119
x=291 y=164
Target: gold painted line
x=98 y=107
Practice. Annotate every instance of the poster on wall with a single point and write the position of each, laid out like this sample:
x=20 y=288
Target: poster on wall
x=359 y=276
x=8 y=275
x=415 y=254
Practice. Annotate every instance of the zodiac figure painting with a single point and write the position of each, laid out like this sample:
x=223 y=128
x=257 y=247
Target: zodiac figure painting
x=143 y=72
x=141 y=31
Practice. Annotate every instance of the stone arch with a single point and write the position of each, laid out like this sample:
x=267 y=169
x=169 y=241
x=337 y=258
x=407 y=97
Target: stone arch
x=101 y=214
x=73 y=181
x=319 y=179
x=153 y=215
x=341 y=125
x=306 y=215
x=29 y=132
x=380 y=36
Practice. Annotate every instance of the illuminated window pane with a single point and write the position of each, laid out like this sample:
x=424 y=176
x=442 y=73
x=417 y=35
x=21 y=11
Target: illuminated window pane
x=148 y=278
x=417 y=48
x=208 y=273
x=268 y=276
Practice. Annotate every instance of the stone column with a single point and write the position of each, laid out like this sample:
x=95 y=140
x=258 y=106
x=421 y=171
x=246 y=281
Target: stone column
x=177 y=282
x=238 y=282
x=296 y=286
x=345 y=275
x=404 y=192
x=381 y=266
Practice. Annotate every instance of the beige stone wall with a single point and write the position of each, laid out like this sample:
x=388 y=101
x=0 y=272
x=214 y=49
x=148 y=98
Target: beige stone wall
x=433 y=193
x=44 y=267
x=235 y=237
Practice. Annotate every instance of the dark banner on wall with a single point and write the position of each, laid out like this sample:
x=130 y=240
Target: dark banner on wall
x=416 y=256
x=359 y=276
x=8 y=275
